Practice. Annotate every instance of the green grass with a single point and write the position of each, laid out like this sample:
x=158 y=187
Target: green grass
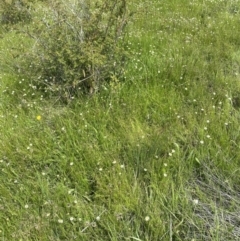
x=155 y=157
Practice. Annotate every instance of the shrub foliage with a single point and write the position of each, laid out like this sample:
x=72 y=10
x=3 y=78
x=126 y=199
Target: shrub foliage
x=14 y=11
x=78 y=45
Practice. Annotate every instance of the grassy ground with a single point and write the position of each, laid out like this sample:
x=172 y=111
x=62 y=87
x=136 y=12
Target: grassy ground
x=153 y=158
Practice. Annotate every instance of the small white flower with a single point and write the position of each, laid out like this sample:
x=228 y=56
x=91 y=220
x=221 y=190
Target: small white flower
x=70 y=191
x=26 y=206
x=202 y=142
x=147 y=218
x=60 y=221
x=71 y=218
x=165 y=174
x=71 y=163
x=195 y=201
x=98 y=218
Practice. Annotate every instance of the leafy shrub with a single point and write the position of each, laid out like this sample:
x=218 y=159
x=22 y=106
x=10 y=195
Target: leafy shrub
x=14 y=11
x=77 y=45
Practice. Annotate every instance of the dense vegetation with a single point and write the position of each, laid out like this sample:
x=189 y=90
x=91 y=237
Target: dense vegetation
x=152 y=155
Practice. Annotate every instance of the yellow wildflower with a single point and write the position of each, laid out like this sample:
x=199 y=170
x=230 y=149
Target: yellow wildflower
x=39 y=117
